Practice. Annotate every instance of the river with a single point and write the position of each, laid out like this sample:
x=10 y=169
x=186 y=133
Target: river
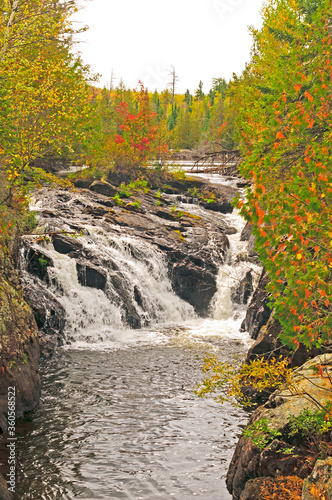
x=118 y=417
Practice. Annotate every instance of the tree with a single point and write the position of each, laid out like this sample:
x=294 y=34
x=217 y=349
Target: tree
x=136 y=140
x=44 y=92
x=284 y=98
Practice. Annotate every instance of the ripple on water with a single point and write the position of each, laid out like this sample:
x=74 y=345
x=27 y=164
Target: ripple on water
x=124 y=423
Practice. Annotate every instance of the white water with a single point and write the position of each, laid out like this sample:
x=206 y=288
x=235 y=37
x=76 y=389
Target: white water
x=118 y=417
x=97 y=318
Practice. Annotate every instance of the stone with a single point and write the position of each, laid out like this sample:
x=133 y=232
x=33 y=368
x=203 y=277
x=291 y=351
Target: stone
x=196 y=286
x=83 y=183
x=258 y=311
x=104 y=188
x=38 y=263
x=224 y=207
x=319 y=483
x=90 y=275
x=65 y=244
x=241 y=293
x=249 y=461
x=246 y=232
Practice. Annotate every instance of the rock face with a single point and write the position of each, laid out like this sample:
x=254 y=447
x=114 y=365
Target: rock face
x=258 y=311
x=241 y=293
x=19 y=344
x=249 y=462
x=148 y=227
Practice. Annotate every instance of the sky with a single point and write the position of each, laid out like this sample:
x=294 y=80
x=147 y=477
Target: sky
x=144 y=39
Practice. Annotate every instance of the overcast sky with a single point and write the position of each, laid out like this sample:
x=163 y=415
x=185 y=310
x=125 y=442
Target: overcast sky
x=143 y=39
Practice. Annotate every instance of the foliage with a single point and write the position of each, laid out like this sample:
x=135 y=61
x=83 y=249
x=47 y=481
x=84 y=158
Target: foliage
x=281 y=488
x=284 y=126
x=136 y=136
x=124 y=191
x=230 y=379
x=44 y=89
x=308 y=422
x=261 y=433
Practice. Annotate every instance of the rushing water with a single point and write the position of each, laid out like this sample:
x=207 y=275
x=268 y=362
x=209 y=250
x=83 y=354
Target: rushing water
x=118 y=417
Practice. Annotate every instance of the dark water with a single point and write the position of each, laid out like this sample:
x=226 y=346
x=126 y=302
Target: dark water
x=125 y=424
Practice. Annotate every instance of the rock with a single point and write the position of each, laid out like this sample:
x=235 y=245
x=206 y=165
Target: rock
x=249 y=461
x=246 y=232
x=65 y=244
x=104 y=188
x=252 y=490
x=90 y=275
x=165 y=215
x=38 y=263
x=319 y=483
x=268 y=344
x=224 y=207
x=241 y=293
x=4 y=493
x=18 y=345
x=196 y=286
x=83 y=183
x=258 y=311
x=49 y=315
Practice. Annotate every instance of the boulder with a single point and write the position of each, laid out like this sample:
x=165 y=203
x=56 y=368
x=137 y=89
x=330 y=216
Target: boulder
x=240 y=294
x=319 y=484
x=83 y=183
x=104 y=188
x=224 y=207
x=90 y=275
x=193 y=284
x=246 y=232
x=65 y=244
x=38 y=263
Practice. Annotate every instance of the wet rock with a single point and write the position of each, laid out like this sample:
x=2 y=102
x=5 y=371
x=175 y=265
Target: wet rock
x=38 y=263
x=165 y=215
x=91 y=276
x=196 y=286
x=319 y=483
x=246 y=232
x=268 y=344
x=241 y=293
x=18 y=344
x=104 y=188
x=65 y=244
x=258 y=311
x=224 y=207
x=4 y=493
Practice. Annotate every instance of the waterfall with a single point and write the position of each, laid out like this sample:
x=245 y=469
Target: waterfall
x=137 y=291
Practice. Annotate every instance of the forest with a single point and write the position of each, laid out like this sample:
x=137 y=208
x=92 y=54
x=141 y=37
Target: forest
x=276 y=114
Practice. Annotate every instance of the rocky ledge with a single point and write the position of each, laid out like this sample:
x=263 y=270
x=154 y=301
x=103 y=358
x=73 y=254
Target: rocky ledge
x=192 y=238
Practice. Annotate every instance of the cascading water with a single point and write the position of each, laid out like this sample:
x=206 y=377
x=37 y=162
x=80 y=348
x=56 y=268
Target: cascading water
x=118 y=418
x=137 y=288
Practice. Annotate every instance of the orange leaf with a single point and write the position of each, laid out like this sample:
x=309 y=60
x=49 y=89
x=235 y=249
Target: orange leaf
x=308 y=96
x=280 y=135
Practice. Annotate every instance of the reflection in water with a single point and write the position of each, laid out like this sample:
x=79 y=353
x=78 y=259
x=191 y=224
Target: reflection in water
x=124 y=423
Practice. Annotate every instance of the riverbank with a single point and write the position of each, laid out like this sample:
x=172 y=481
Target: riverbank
x=112 y=261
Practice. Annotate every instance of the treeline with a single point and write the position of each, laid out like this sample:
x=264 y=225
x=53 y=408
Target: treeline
x=185 y=120
x=52 y=108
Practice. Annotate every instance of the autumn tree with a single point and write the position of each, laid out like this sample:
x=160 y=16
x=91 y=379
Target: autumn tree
x=45 y=90
x=284 y=100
